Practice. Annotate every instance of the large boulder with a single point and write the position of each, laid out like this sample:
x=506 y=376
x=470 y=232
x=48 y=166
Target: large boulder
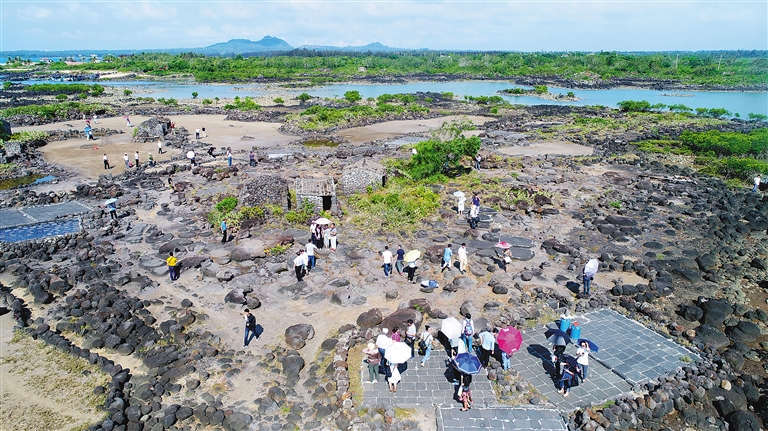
x=296 y=336
x=744 y=420
x=237 y=422
x=153 y=129
x=399 y=317
x=235 y=296
x=709 y=335
x=745 y=331
x=5 y=130
x=292 y=363
x=252 y=249
x=369 y=319
x=716 y=311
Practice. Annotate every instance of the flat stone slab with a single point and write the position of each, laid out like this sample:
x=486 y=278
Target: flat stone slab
x=500 y=418
x=39 y=230
x=39 y=214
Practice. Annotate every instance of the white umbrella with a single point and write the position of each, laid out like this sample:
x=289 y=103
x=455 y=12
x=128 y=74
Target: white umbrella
x=458 y=193
x=398 y=353
x=190 y=154
x=322 y=220
x=451 y=327
x=590 y=269
x=110 y=201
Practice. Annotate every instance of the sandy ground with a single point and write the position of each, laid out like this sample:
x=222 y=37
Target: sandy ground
x=541 y=148
x=390 y=129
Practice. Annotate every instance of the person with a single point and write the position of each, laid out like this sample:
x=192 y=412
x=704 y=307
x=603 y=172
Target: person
x=455 y=342
x=229 y=157
x=223 y=231
x=586 y=280
x=410 y=335
x=487 y=344
x=326 y=236
x=447 y=254
x=582 y=358
x=319 y=236
x=476 y=200
x=463 y=258
x=250 y=327
x=460 y=205
x=171 y=261
x=87 y=131
x=382 y=342
x=469 y=331
x=106 y=161
x=565 y=380
x=757 y=183
x=298 y=266
x=333 y=236
x=210 y=152
x=425 y=344
x=411 y=269
x=311 y=247
x=151 y=160
x=126 y=159
x=558 y=356
x=95 y=119
x=505 y=357
x=112 y=211
x=197 y=134
x=399 y=262
x=465 y=395
x=173 y=129
x=396 y=334
x=474 y=216
x=507 y=258
x=386 y=255
x=373 y=359
x=128 y=122
x=478 y=159
x=170 y=182
x=205 y=135
x=159 y=147
x=252 y=158
x=88 y=124
x=136 y=158
x=192 y=159
x=394 y=377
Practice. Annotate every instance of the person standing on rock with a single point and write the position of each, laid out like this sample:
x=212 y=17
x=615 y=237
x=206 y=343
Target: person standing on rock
x=373 y=359
x=171 y=261
x=507 y=258
x=386 y=255
x=399 y=262
x=298 y=266
x=586 y=281
x=460 y=205
x=447 y=254
x=159 y=147
x=136 y=158
x=106 y=161
x=333 y=236
x=476 y=200
x=250 y=327
x=224 y=231
x=382 y=342
x=126 y=159
x=474 y=216
x=478 y=159
x=425 y=344
x=112 y=211
x=311 y=247
x=170 y=182
x=411 y=270
x=469 y=331
x=151 y=160
x=463 y=258
x=252 y=159
x=229 y=157
x=757 y=183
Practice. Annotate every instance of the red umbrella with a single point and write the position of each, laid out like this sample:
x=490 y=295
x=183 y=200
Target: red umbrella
x=509 y=339
x=503 y=244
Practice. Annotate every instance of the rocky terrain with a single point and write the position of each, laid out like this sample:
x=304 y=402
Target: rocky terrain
x=680 y=253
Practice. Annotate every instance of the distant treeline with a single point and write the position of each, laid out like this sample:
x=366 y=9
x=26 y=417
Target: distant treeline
x=313 y=66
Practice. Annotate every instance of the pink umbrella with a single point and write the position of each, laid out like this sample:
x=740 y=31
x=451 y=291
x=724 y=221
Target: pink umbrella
x=509 y=339
x=503 y=244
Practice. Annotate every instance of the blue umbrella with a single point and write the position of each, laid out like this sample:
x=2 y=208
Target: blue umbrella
x=557 y=337
x=467 y=363
x=570 y=360
x=592 y=346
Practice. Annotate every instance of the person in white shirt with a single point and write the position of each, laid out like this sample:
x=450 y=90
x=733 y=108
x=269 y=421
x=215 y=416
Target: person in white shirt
x=410 y=335
x=106 y=161
x=757 y=184
x=426 y=340
x=159 y=147
x=474 y=216
x=310 y=255
x=487 y=343
x=298 y=266
x=582 y=358
x=125 y=157
x=460 y=205
x=463 y=258
x=387 y=256
x=382 y=342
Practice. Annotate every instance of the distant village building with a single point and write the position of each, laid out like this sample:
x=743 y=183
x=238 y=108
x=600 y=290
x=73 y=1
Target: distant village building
x=266 y=189
x=319 y=191
x=362 y=69
x=358 y=176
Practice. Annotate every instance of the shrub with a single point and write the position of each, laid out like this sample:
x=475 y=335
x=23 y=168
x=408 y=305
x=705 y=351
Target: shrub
x=443 y=151
x=194 y=94
x=7 y=85
x=246 y=104
x=82 y=96
x=207 y=101
x=226 y=205
x=352 y=96
x=540 y=89
x=757 y=117
x=402 y=204
x=743 y=168
x=634 y=106
x=302 y=214
x=754 y=143
x=303 y=97
x=61 y=97
x=278 y=100
x=127 y=92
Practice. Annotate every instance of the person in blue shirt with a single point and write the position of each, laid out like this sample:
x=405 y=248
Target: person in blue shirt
x=223 y=231
x=399 y=262
x=447 y=254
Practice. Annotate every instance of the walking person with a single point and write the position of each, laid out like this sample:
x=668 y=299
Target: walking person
x=151 y=160
x=411 y=270
x=95 y=119
x=373 y=359
x=582 y=358
x=460 y=205
x=465 y=394
x=469 y=331
x=447 y=254
x=127 y=160
x=171 y=261
x=757 y=183
x=197 y=134
x=487 y=344
x=159 y=147
x=425 y=344
x=136 y=158
x=224 y=231
x=192 y=158
x=476 y=200
x=311 y=247
x=463 y=258
x=586 y=280
x=410 y=336
x=507 y=258
x=382 y=342
x=229 y=157
x=250 y=327
x=252 y=159
x=333 y=236
x=112 y=211
x=298 y=266
x=474 y=216
x=399 y=262
x=558 y=357
x=326 y=236
x=106 y=161
x=87 y=132
x=387 y=256
x=565 y=380
x=394 y=377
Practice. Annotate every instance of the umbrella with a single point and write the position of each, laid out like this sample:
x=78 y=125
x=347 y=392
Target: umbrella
x=570 y=360
x=467 y=363
x=412 y=255
x=398 y=353
x=322 y=220
x=503 y=244
x=509 y=339
x=458 y=193
x=110 y=201
x=190 y=154
x=590 y=269
x=592 y=346
x=451 y=327
x=557 y=337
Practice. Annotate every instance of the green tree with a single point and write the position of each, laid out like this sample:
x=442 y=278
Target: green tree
x=127 y=92
x=303 y=97
x=352 y=96
x=444 y=150
x=207 y=101
x=194 y=94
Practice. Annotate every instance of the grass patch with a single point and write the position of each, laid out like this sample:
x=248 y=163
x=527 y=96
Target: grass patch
x=402 y=204
x=57 y=110
x=404 y=413
x=355 y=364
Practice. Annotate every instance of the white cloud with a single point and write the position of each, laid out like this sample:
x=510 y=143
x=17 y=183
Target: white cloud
x=31 y=13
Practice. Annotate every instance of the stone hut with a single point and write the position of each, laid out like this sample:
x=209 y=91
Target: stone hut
x=357 y=176
x=266 y=189
x=319 y=191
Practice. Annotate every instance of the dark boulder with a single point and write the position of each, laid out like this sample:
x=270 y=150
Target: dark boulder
x=709 y=335
x=296 y=336
x=369 y=319
x=745 y=331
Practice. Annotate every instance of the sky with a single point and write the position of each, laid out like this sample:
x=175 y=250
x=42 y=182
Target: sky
x=564 y=25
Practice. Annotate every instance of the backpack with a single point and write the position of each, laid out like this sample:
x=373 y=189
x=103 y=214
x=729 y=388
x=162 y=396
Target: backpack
x=251 y=321
x=468 y=330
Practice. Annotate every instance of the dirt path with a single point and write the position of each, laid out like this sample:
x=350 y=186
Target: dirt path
x=556 y=148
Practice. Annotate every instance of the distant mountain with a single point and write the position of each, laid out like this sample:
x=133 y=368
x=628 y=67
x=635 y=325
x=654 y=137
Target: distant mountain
x=372 y=47
x=241 y=46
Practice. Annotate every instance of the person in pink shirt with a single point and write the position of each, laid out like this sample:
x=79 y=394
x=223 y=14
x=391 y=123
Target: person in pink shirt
x=396 y=335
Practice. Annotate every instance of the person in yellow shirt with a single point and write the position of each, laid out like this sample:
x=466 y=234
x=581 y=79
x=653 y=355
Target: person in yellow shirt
x=172 y=271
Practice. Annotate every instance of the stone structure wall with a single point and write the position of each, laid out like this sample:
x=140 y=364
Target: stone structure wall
x=357 y=176
x=319 y=191
x=266 y=189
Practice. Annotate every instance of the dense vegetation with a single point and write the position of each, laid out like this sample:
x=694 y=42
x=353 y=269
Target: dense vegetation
x=322 y=117
x=732 y=68
x=51 y=89
x=400 y=205
x=57 y=110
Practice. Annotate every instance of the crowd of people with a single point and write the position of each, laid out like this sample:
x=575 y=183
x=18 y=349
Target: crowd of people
x=322 y=236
